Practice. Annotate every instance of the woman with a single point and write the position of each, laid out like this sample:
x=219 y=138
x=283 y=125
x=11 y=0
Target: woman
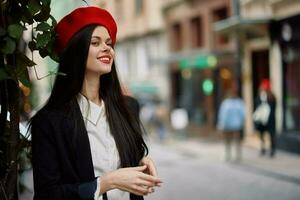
x=266 y=98
x=87 y=140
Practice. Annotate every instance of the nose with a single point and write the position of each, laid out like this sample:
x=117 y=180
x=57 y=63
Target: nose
x=105 y=47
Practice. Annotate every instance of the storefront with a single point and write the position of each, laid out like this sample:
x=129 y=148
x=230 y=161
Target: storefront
x=287 y=33
x=193 y=87
x=199 y=84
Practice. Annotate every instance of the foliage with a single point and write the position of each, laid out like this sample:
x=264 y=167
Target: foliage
x=18 y=16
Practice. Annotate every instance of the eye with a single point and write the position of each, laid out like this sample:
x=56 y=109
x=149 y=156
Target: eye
x=109 y=44
x=95 y=43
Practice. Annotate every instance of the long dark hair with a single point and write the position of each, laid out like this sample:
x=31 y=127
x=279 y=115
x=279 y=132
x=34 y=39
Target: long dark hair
x=124 y=124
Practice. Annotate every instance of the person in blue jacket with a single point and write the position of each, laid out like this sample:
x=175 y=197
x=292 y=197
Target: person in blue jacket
x=87 y=140
x=231 y=119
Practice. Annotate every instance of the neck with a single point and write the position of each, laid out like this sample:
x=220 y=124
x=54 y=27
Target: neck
x=90 y=88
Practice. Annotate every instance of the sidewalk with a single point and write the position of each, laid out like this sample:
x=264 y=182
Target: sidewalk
x=284 y=165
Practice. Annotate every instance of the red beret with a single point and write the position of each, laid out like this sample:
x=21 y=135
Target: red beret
x=265 y=85
x=80 y=18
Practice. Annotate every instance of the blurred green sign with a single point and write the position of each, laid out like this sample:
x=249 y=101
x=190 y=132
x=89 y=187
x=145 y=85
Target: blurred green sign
x=149 y=88
x=198 y=62
x=207 y=87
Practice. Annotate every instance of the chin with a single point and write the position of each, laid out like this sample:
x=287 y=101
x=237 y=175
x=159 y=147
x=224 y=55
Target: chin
x=105 y=71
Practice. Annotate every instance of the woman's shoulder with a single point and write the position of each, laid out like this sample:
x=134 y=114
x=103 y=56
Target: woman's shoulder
x=50 y=123
x=49 y=116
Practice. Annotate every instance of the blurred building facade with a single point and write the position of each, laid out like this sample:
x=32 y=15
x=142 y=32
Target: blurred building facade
x=141 y=44
x=269 y=34
x=201 y=62
x=188 y=52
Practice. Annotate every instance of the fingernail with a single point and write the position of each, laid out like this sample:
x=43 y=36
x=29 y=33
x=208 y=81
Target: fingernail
x=151 y=190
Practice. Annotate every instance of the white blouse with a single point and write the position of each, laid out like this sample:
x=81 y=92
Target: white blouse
x=105 y=154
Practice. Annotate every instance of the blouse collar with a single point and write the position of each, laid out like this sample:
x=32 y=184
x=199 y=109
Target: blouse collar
x=91 y=111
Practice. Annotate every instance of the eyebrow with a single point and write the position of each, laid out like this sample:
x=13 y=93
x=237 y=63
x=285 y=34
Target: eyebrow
x=99 y=38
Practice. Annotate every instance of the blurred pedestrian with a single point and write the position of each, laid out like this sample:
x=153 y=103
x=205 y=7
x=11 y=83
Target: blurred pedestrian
x=87 y=140
x=264 y=116
x=159 y=120
x=231 y=119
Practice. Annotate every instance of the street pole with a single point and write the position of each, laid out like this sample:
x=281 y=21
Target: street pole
x=238 y=47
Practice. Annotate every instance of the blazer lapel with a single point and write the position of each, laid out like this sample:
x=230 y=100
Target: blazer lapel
x=84 y=163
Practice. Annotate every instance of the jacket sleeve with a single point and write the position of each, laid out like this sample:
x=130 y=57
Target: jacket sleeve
x=46 y=166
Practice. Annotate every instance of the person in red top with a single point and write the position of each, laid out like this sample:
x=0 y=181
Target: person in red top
x=62 y=149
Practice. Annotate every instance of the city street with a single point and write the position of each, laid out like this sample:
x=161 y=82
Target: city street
x=211 y=86
x=195 y=170
x=194 y=177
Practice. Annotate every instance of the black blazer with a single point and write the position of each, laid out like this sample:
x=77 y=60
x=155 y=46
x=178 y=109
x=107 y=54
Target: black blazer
x=61 y=157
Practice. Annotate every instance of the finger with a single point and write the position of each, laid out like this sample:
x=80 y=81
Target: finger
x=152 y=169
x=140 y=190
x=136 y=192
x=150 y=178
x=139 y=168
x=151 y=166
x=146 y=183
x=151 y=190
x=135 y=189
x=158 y=184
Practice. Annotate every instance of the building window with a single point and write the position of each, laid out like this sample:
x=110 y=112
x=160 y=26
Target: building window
x=139 y=5
x=291 y=89
x=218 y=15
x=119 y=10
x=196 y=32
x=177 y=37
x=101 y=3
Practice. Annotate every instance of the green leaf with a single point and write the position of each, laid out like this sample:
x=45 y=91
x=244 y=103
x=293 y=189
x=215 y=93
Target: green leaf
x=27 y=16
x=61 y=74
x=43 y=15
x=4 y=75
x=15 y=12
x=32 y=45
x=4 y=5
x=2 y=31
x=15 y=30
x=43 y=26
x=34 y=7
x=46 y=2
x=54 y=22
x=8 y=45
x=43 y=39
x=11 y=70
x=43 y=52
x=24 y=78
x=23 y=61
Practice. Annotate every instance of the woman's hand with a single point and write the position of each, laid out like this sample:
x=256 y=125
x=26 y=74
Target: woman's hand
x=131 y=179
x=151 y=169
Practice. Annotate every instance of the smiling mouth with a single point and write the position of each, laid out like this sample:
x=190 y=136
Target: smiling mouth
x=105 y=59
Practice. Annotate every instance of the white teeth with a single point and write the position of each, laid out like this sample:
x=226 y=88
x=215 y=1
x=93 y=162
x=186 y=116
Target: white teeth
x=104 y=59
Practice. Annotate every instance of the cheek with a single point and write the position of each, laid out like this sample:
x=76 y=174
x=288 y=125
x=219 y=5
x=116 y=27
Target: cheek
x=92 y=52
x=91 y=58
x=112 y=52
